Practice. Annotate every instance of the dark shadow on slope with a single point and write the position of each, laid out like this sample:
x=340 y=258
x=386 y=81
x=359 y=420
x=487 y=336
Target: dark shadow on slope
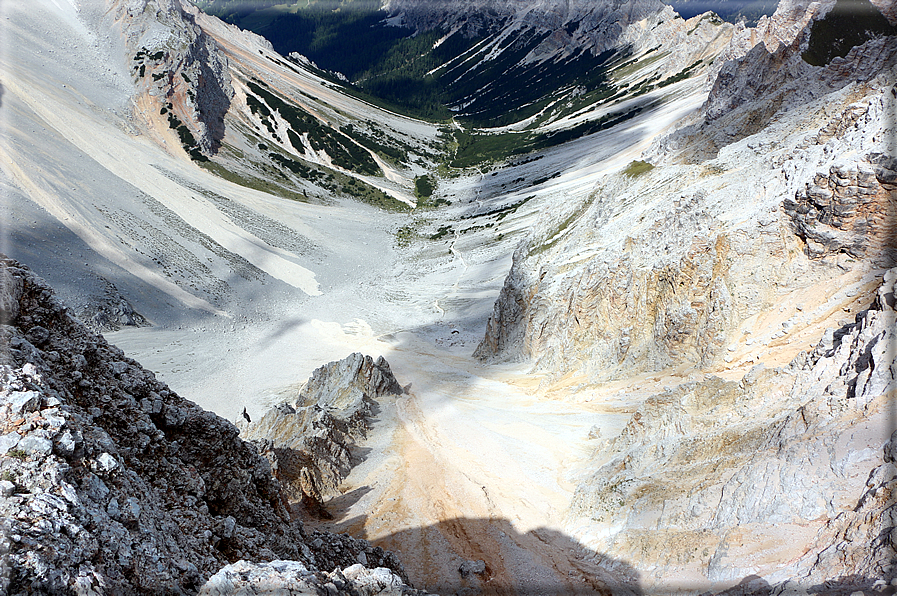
x=442 y=558
x=749 y=92
x=2 y=91
x=282 y=328
x=850 y=23
x=347 y=499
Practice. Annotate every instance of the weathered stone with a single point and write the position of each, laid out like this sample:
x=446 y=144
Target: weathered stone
x=21 y=402
x=35 y=444
x=160 y=508
x=309 y=443
x=468 y=567
x=7 y=488
x=9 y=441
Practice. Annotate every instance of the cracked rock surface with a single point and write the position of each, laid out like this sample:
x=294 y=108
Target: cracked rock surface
x=110 y=483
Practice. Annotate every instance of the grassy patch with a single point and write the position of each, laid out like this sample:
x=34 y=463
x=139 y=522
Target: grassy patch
x=502 y=212
x=387 y=152
x=405 y=236
x=475 y=148
x=630 y=67
x=441 y=233
x=637 y=168
x=253 y=182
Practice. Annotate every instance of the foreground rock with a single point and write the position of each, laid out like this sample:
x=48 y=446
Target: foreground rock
x=309 y=443
x=293 y=578
x=112 y=484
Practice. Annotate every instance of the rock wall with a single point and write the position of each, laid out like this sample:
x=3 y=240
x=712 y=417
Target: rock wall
x=661 y=269
x=787 y=474
x=580 y=23
x=309 y=443
x=110 y=483
x=176 y=63
x=852 y=208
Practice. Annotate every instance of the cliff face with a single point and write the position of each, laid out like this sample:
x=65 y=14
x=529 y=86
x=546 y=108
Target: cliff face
x=110 y=483
x=174 y=62
x=580 y=23
x=787 y=474
x=781 y=174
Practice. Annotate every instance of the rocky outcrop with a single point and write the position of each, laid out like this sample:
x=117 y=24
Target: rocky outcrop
x=659 y=269
x=176 y=63
x=110 y=483
x=764 y=71
x=309 y=442
x=852 y=208
x=727 y=470
x=294 y=579
x=109 y=312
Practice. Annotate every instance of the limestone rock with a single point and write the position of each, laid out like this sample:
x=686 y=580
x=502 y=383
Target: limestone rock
x=309 y=442
x=294 y=579
x=848 y=209
x=176 y=63
x=715 y=465
x=119 y=485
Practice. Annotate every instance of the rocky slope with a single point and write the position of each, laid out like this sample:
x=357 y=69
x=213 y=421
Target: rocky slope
x=174 y=62
x=787 y=474
x=665 y=267
x=113 y=484
x=309 y=442
x=711 y=264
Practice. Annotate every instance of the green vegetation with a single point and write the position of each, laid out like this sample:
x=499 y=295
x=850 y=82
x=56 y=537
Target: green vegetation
x=188 y=141
x=631 y=66
x=442 y=232
x=474 y=148
x=17 y=453
x=342 y=150
x=388 y=153
x=850 y=23
x=681 y=75
x=637 y=168
x=253 y=182
x=405 y=236
x=424 y=187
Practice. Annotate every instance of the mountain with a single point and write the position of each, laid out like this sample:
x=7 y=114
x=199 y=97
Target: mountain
x=634 y=272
